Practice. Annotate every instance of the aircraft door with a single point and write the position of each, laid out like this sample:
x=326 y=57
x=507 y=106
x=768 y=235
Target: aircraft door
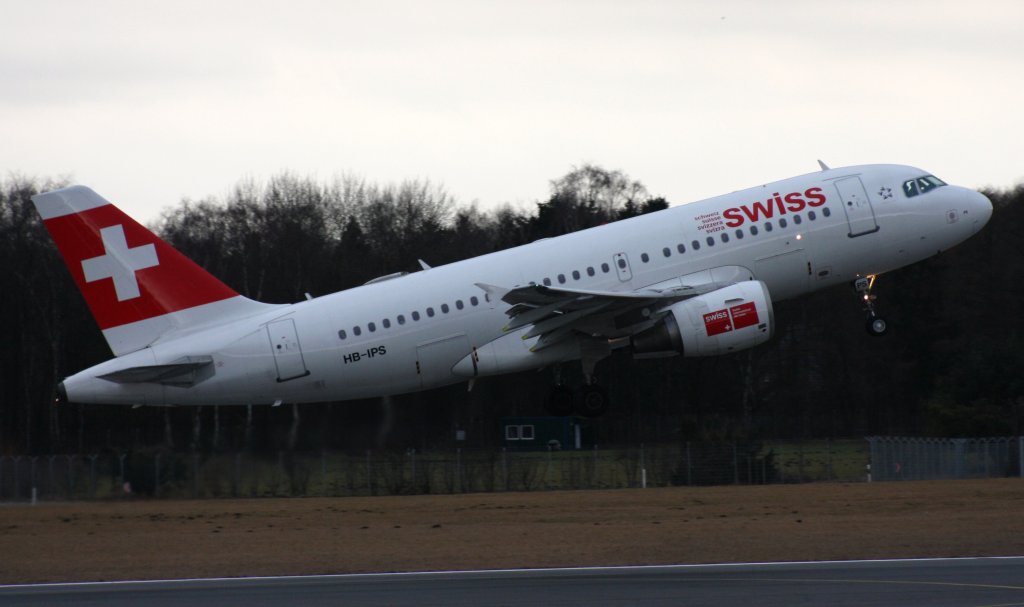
x=859 y=214
x=622 y=268
x=284 y=343
x=435 y=358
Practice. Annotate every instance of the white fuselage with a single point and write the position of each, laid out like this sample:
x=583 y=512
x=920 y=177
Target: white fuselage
x=407 y=333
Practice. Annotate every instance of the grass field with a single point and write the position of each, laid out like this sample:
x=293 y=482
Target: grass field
x=161 y=539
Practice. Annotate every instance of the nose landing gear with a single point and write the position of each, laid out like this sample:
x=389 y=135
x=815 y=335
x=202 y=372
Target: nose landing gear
x=875 y=325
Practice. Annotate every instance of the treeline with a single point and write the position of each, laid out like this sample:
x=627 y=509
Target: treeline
x=949 y=366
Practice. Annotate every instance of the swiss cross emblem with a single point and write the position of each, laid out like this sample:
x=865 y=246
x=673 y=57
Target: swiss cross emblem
x=120 y=263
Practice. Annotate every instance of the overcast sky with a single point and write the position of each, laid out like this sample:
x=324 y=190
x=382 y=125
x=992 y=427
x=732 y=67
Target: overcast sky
x=150 y=103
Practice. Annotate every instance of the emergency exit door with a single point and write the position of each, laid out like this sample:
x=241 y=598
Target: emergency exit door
x=284 y=343
x=859 y=214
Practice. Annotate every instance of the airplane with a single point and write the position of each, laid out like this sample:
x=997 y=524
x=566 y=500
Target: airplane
x=697 y=279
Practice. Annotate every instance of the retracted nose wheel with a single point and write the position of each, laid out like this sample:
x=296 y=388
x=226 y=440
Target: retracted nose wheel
x=876 y=326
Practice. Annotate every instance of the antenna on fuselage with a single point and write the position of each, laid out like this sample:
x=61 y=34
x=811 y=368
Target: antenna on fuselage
x=824 y=167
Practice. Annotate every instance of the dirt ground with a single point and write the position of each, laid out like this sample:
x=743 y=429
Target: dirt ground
x=91 y=541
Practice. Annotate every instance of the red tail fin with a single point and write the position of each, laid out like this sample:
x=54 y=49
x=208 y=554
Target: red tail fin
x=137 y=286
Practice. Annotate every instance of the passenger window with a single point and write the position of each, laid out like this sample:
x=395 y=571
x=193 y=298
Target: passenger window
x=681 y=248
x=372 y=327
x=415 y=315
x=575 y=274
x=622 y=263
x=386 y=322
x=695 y=245
x=826 y=211
x=547 y=282
x=605 y=268
x=739 y=233
x=342 y=334
x=644 y=257
x=767 y=226
x=430 y=312
x=473 y=300
x=561 y=279
x=797 y=219
x=783 y=223
x=811 y=215
x=401 y=319
x=444 y=308
x=667 y=252
x=753 y=230
x=725 y=237
x=458 y=304
x=590 y=270
x=711 y=241
x=357 y=331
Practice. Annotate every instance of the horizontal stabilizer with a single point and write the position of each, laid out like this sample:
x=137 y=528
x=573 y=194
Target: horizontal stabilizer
x=187 y=371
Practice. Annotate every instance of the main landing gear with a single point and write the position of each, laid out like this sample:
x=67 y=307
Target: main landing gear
x=590 y=401
x=875 y=325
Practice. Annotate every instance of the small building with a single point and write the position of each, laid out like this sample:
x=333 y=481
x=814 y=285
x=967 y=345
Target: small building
x=530 y=433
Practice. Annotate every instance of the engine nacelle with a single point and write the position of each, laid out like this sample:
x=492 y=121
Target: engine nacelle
x=726 y=320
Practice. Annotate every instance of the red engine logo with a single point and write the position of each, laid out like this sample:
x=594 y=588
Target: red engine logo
x=736 y=317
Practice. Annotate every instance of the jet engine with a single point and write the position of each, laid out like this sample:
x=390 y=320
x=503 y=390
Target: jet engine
x=725 y=320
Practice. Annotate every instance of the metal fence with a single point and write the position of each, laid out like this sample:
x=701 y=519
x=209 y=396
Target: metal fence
x=204 y=475
x=903 y=458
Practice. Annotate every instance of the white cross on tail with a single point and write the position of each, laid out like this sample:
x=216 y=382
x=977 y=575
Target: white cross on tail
x=120 y=263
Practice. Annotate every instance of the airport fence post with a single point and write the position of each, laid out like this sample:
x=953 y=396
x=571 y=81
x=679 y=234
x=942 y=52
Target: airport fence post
x=32 y=475
x=643 y=468
x=50 y=474
x=828 y=460
x=504 y=465
x=14 y=490
x=323 y=473
x=458 y=469
x=92 y=475
x=412 y=481
x=735 y=464
x=689 y=465
x=195 y=475
x=236 y=478
x=71 y=476
x=800 y=470
x=120 y=485
x=369 y=476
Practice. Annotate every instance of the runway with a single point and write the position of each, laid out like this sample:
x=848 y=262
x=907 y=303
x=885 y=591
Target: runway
x=980 y=582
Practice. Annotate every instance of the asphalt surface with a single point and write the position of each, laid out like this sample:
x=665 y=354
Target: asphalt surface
x=989 y=582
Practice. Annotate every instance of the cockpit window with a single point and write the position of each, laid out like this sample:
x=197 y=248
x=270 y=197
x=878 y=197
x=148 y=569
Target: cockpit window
x=921 y=185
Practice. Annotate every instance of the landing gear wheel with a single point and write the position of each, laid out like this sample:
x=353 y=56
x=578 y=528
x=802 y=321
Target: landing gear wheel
x=593 y=401
x=559 y=403
x=876 y=326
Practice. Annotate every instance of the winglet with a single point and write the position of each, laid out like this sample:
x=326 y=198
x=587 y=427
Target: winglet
x=824 y=167
x=424 y=265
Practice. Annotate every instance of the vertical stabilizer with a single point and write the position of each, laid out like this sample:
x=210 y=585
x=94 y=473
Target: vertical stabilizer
x=137 y=286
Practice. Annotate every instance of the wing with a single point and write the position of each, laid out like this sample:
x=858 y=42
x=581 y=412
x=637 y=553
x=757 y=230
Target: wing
x=557 y=313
